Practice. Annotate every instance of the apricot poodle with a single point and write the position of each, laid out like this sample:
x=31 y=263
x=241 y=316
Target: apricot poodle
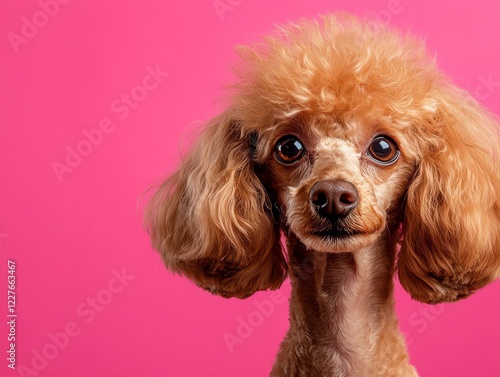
x=343 y=136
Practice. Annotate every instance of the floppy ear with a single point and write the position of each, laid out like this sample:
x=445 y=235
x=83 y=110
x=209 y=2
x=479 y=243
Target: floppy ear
x=211 y=220
x=451 y=225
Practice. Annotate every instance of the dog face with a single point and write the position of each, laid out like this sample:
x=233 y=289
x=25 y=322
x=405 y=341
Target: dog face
x=334 y=184
x=336 y=131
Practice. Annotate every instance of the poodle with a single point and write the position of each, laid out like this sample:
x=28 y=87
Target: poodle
x=342 y=136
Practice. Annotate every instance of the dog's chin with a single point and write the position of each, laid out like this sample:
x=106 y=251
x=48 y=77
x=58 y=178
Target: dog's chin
x=338 y=242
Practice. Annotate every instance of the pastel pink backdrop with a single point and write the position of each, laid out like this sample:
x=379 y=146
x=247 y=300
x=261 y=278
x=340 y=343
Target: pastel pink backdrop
x=71 y=234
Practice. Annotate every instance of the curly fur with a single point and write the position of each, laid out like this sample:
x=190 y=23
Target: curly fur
x=336 y=83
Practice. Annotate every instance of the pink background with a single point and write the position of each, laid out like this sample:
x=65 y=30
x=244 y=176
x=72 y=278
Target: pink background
x=67 y=235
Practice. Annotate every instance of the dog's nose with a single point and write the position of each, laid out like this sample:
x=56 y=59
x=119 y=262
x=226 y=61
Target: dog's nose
x=333 y=198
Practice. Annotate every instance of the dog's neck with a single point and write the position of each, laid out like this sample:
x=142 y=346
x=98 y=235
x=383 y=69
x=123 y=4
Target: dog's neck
x=342 y=314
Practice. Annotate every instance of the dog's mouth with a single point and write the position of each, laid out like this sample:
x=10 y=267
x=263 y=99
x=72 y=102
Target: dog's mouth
x=337 y=237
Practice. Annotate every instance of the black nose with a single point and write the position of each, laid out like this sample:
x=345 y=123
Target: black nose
x=333 y=198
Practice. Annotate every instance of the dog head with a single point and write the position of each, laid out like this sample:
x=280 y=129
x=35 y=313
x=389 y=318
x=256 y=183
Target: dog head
x=337 y=131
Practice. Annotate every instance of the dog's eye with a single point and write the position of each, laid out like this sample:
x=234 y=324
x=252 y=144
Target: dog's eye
x=383 y=150
x=289 y=149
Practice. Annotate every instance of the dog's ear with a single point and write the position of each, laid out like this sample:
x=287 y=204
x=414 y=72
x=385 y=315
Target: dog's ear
x=211 y=221
x=451 y=224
